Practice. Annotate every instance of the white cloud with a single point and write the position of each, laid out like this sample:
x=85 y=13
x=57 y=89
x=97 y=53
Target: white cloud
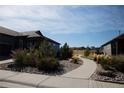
x=62 y=19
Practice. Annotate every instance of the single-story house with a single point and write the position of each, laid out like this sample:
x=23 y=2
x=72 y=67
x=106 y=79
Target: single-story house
x=114 y=46
x=11 y=40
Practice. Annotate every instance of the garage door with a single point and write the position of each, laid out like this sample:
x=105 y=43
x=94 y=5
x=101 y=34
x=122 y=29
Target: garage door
x=5 y=50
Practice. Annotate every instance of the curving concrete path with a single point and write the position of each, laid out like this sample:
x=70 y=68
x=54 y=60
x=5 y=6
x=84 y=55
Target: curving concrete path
x=84 y=71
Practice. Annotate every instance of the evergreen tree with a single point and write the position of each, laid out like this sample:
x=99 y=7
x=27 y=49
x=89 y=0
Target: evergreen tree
x=65 y=52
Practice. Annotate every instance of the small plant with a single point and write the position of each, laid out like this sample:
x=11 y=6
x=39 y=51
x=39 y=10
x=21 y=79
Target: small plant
x=75 y=60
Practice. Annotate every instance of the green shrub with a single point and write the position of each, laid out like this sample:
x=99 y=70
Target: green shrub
x=70 y=53
x=65 y=52
x=30 y=60
x=19 y=56
x=48 y=64
x=46 y=60
x=43 y=58
x=46 y=50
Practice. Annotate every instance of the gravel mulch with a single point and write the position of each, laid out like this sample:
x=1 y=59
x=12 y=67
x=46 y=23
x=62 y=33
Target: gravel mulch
x=69 y=66
x=66 y=66
x=107 y=75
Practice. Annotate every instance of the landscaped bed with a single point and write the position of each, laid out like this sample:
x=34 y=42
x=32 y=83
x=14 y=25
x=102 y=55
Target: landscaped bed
x=109 y=69
x=108 y=75
x=43 y=60
x=65 y=67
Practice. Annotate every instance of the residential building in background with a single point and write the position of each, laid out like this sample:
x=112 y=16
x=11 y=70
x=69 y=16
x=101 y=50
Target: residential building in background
x=114 y=46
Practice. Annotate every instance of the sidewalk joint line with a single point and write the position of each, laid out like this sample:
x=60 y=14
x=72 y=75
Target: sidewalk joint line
x=37 y=86
x=74 y=78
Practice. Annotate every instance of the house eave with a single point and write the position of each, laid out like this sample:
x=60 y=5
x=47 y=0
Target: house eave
x=112 y=40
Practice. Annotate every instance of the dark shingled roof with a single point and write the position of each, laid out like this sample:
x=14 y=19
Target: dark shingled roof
x=118 y=37
x=29 y=34
x=38 y=34
x=10 y=32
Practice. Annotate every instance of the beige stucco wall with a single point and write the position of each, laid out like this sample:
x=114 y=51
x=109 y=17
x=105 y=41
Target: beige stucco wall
x=107 y=49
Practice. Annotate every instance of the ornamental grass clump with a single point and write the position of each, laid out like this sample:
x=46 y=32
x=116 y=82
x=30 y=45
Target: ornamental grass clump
x=115 y=63
x=104 y=60
x=118 y=62
x=75 y=60
x=19 y=57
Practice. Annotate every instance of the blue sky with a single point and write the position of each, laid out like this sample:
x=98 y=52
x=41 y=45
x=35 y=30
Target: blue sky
x=76 y=25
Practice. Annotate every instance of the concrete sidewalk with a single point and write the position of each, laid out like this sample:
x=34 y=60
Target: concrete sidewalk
x=84 y=71
x=32 y=80
x=26 y=80
x=6 y=61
